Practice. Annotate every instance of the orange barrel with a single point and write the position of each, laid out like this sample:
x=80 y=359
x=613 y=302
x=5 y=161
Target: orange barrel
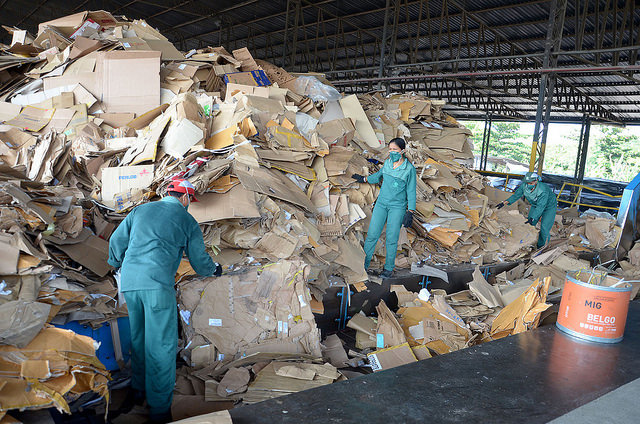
x=595 y=312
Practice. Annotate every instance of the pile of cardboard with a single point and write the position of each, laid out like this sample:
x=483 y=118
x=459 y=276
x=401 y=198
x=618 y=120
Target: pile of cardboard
x=266 y=309
x=52 y=369
x=435 y=323
x=112 y=113
x=586 y=231
x=99 y=113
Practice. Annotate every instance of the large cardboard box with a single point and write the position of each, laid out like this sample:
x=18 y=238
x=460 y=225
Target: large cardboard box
x=120 y=179
x=129 y=81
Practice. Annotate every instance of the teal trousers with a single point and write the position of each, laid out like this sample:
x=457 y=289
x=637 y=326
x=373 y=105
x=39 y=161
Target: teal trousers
x=382 y=215
x=153 y=319
x=546 y=222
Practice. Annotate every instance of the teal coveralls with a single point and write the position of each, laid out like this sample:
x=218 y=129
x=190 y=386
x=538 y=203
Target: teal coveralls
x=543 y=205
x=397 y=194
x=148 y=246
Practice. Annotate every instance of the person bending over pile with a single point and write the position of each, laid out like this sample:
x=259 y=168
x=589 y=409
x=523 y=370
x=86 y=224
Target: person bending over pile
x=543 y=204
x=147 y=247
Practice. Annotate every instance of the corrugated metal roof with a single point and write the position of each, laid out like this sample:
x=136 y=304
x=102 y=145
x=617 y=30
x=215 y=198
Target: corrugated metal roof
x=486 y=28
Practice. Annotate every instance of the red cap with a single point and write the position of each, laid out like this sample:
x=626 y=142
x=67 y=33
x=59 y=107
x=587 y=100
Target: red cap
x=181 y=185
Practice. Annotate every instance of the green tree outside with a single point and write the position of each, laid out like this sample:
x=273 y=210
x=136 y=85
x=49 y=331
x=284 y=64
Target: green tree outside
x=614 y=153
x=508 y=140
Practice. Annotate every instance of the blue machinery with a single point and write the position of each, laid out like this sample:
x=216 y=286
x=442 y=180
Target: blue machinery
x=628 y=217
x=344 y=296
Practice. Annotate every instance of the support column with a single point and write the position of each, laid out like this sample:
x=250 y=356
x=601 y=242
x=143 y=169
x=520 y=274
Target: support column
x=292 y=22
x=486 y=136
x=389 y=37
x=547 y=84
x=583 y=148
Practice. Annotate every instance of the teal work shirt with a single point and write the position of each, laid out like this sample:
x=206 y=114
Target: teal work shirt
x=540 y=199
x=398 y=185
x=149 y=243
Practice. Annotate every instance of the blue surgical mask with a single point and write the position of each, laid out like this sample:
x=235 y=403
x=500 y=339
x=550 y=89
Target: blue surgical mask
x=531 y=187
x=395 y=156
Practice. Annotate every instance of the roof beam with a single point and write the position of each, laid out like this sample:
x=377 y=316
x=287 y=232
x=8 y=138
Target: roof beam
x=561 y=83
x=34 y=10
x=360 y=13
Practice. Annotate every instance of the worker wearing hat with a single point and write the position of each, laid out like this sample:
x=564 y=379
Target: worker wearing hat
x=543 y=204
x=148 y=247
x=395 y=205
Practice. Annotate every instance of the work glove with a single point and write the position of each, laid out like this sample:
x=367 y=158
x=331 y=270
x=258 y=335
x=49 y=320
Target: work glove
x=359 y=178
x=530 y=222
x=501 y=205
x=408 y=219
x=218 y=271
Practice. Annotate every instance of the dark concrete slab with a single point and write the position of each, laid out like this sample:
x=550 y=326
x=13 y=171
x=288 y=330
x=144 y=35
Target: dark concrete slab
x=532 y=377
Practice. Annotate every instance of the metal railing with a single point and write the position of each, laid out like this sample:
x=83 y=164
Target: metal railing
x=576 y=197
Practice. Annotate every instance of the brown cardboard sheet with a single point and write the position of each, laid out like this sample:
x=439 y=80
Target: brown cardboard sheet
x=391 y=357
x=129 y=80
x=235 y=203
x=272 y=183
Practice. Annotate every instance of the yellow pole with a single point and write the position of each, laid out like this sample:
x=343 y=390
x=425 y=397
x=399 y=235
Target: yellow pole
x=534 y=152
x=541 y=158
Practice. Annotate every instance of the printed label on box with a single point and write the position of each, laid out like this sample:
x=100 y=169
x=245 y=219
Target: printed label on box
x=373 y=360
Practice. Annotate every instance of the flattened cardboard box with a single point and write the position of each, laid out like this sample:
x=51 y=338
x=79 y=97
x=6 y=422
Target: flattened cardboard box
x=130 y=80
x=256 y=78
x=352 y=109
x=120 y=179
x=391 y=357
x=32 y=118
x=166 y=48
x=8 y=111
x=236 y=203
x=68 y=24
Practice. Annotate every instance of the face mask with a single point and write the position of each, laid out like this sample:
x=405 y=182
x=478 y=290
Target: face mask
x=395 y=156
x=188 y=202
x=531 y=187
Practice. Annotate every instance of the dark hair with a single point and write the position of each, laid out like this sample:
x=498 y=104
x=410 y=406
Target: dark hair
x=175 y=194
x=399 y=142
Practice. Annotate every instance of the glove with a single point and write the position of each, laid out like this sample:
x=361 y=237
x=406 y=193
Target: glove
x=218 y=271
x=408 y=219
x=359 y=178
x=530 y=222
x=500 y=205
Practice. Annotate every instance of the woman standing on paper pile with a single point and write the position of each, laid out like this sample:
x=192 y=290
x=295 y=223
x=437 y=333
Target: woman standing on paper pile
x=543 y=204
x=395 y=205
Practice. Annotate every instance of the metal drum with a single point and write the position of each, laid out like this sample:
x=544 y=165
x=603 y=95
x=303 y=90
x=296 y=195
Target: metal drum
x=594 y=306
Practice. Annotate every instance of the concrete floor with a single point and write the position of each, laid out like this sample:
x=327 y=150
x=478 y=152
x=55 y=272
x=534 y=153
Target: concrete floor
x=619 y=406
x=532 y=377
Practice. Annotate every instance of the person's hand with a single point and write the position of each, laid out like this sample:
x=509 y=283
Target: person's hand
x=502 y=205
x=359 y=178
x=530 y=222
x=218 y=271
x=408 y=219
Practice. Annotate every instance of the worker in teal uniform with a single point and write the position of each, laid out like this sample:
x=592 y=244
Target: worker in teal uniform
x=147 y=247
x=395 y=205
x=543 y=204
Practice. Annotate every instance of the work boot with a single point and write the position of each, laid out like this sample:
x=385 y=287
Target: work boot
x=163 y=418
x=386 y=274
x=135 y=397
